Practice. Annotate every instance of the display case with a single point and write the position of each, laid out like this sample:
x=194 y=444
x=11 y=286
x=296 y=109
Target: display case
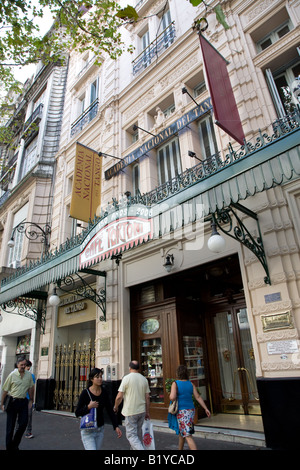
x=152 y=368
x=194 y=360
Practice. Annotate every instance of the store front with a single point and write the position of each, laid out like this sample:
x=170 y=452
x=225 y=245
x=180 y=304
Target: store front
x=197 y=317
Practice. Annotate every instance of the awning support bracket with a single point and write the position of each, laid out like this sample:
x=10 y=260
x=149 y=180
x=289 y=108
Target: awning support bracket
x=27 y=307
x=83 y=289
x=240 y=232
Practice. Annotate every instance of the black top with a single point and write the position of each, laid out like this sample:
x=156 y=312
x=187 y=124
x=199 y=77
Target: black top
x=104 y=402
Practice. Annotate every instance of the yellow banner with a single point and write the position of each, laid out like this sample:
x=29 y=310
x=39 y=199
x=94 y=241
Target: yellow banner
x=86 y=191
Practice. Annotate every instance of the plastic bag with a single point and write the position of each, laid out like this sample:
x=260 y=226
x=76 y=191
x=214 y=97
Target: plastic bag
x=148 y=435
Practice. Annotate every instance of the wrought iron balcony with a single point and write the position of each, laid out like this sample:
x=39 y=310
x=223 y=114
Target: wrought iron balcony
x=85 y=118
x=162 y=42
x=36 y=116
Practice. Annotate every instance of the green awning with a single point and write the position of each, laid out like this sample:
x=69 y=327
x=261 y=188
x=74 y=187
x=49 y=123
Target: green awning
x=265 y=167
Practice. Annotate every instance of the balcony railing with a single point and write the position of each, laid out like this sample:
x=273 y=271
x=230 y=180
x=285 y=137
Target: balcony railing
x=35 y=117
x=162 y=42
x=85 y=118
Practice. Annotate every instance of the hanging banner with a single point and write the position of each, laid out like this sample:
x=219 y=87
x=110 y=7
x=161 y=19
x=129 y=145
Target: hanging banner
x=223 y=101
x=86 y=191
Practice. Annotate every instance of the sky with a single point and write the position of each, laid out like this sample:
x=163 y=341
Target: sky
x=23 y=73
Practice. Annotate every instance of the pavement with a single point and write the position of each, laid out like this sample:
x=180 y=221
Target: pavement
x=57 y=432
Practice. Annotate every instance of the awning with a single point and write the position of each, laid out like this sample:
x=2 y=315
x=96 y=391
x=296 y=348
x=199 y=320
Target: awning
x=188 y=198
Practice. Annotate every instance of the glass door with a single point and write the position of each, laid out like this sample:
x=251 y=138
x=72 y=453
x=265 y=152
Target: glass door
x=236 y=362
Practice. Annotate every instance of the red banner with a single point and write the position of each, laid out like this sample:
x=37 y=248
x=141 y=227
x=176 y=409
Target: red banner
x=224 y=105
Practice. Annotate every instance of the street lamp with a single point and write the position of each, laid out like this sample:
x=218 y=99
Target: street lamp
x=32 y=231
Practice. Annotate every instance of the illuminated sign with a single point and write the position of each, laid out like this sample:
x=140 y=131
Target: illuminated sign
x=116 y=237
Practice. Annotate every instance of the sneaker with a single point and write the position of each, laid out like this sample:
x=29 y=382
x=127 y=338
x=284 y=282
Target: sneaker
x=29 y=435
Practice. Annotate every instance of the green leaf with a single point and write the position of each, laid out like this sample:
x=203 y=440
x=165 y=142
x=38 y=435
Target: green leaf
x=195 y=3
x=220 y=16
x=128 y=13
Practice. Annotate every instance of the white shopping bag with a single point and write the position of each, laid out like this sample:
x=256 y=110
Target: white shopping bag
x=148 y=435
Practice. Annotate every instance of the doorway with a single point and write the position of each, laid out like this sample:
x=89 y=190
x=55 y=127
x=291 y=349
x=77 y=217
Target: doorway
x=233 y=381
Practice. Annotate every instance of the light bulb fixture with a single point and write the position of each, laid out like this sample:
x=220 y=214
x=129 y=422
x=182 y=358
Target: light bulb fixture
x=11 y=243
x=169 y=263
x=216 y=242
x=54 y=299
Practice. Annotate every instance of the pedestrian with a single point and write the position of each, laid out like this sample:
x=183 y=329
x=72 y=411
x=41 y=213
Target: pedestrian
x=134 y=390
x=184 y=390
x=28 y=433
x=17 y=384
x=95 y=396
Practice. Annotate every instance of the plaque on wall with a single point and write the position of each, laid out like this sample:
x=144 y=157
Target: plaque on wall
x=277 y=321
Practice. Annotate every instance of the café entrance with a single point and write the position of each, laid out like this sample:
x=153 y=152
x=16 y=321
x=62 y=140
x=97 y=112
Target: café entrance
x=197 y=317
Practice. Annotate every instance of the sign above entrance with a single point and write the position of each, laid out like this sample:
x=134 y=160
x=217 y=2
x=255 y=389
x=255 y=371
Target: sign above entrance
x=161 y=137
x=116 y=237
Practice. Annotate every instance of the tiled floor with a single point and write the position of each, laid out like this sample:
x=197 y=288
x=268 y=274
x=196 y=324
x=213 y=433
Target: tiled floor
x=234 y=421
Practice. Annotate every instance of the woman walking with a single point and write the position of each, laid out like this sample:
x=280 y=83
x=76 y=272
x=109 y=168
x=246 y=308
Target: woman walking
x=95 y=396
x=183 y=390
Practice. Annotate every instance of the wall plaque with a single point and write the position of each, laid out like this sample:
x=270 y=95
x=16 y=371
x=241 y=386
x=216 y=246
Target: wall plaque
x=282 y=347
x=277 y=321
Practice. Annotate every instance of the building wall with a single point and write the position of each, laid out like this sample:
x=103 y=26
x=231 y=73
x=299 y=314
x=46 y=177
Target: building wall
x=125 y=100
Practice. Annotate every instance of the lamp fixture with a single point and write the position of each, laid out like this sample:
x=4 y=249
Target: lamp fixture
x=169 y=263
x=102 y=154
x=216 y=242
x=185 y=91
x=117 y=258
x=135 y=127
x=32 y=231
x=54 y=299
x=193 y=155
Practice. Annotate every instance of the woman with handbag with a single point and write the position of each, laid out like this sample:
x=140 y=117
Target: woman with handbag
x=183 y=390
x=95 y=397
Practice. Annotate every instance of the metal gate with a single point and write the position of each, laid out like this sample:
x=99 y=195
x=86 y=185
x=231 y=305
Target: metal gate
x=72 y=367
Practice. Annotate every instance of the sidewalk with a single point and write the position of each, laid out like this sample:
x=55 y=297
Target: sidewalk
x=60 y=432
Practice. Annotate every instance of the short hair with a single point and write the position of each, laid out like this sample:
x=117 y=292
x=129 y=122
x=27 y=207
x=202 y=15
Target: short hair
x=134 y=365
x=182 y=372
x=28 y=363
x=21 y=359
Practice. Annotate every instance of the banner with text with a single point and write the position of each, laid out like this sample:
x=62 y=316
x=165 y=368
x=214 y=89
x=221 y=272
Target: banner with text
x=86 y=191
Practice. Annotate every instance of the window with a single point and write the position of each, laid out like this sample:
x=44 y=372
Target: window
x=15 y=253
x=274 y=36
x=135 y=179
x=168 y=161
x=281 y=88
x=29 y=158
x=169 y=110
x=207 y=137
x=199 y=89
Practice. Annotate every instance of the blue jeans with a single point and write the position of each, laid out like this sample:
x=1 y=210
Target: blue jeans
x=92 y=438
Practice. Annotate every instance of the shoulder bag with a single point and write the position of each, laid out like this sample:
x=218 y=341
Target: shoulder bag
x=173 y=407
x=89 y=421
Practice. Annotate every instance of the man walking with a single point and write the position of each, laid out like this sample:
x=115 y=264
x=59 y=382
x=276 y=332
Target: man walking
x=17 y=384
x=134 y=390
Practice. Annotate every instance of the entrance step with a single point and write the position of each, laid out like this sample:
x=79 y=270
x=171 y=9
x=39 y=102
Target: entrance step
x=245 y=430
